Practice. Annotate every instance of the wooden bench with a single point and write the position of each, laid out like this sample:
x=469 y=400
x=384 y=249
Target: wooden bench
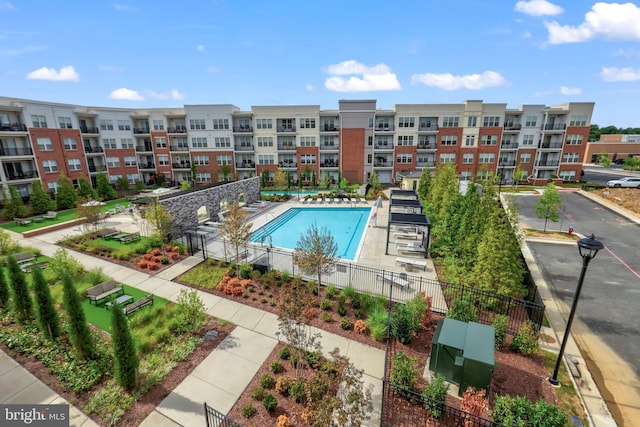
x=130 y=308
x=128 y=238
x=107 y=233
x=410 y=262
x=23 y=221
x=28 y=268
x=23 y=258
x=104 y=290
x=50 y=215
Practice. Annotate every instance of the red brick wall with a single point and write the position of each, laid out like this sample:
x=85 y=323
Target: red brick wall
x=352 y=151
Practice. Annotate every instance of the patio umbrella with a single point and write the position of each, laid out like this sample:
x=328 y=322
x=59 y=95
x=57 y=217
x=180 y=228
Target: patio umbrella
x=377 y=204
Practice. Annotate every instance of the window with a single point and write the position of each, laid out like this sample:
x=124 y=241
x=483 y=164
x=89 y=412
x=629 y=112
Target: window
x=486 y=158
x=287 y=142
x=113 y=162
x=109 y=143
x=527 y=140
x=130 y=161
x=574 y=139
x=484 y=175
x=70 y=144
x=578 y=121
x=199 y=142
x=263 y=124
x=161 y=142
x=489 y=139
x=222 y=142
x=307 y=123
x=406 y=122
x=449 y=140
x=124 y=124
x=470 y=141
x=182 y=143
x=220 y=124
x=308 y=159
x=197 y=124
x=74 y=164
x=370 y=141
x=244 y=141
x=467 y=158
x=567 y=175
x=425 y=142
x=223 y=160
x=405 y=140
x=126 y=142
x=491 y=121
x=265 y=141
x=39 y=121
x=571 y=158
x=531 y=121
x=450 y=122
x=44 y=144
x=163 y=160
x=307 y=141
x=200 y=160
x=465 y=175
x=286 y=124
x=525 y=157
x=265 y=159
x=50 y=166
x=369 y=158
x=53 y=187
x=447 y=157
x=132 y=178
x=404 y=158
x=106 y=124
x=472 y=121
x=203 y=177
x=64 y=122
x=370 y=124
x=383 y=141
x=158 y=125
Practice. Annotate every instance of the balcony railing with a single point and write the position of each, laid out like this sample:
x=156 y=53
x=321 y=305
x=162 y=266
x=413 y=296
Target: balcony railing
x=550 y=145
x=287 y=164
x=329 y=164
x=509 y=145
x=141 y=130
x=384 y=127
x=548 y=162
x=428 y=127
x=328 y=147
x=13 y=127
x=506 y=163
x=177 y=129
x=512 y=126
x=383 y=164
x=427 y=164
x=178 y=148
x=97 y=168
x=554 y=126
x=287 y=147
x=6 y=151
x=144 y=148
x=426 y=146
x=244 y=147
x=327 y=127
x=245 y=165
x=90 y=149
x=146 y=166
x=181 y=165
x=85 y=129
x=383 y=146
x=22 y=175
x=286 y=129
x=242 y=129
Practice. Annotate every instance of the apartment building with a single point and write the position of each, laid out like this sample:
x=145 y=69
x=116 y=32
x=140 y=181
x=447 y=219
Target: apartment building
x=40 y=140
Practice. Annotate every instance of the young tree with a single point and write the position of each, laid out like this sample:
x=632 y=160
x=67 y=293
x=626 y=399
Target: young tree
x=236 y=230
x=104 y=188
x=185 y=185
x=225 y=169
x=548 y=205
x=66 y=196
x=124 y=350
x=22 y=303
x=280 y=179
x=85 y=191
x=90 y=212
x=264 y=178
x=4 y=290
x=519 y=175
x=122 y=184
x=374 y=185
x=160 y=220
x=424 y=185
x=13 y=204
x=79 y=333
x=47 y=314
x=315 y=252
x=40 y=201
x=604 y=160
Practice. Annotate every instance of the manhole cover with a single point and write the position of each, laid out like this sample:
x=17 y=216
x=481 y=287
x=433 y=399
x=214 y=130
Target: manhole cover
x=210 y=335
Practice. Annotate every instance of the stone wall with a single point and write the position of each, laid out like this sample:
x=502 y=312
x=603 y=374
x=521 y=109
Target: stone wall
x=183 y=206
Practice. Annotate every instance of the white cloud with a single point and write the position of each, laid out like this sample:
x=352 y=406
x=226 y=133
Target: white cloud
x=566 y=90
x=201 y=48
x=362 y=78
x=613 y=74
x=6 y=5
x=538 y=8
x=172 y=94
x=66 y=74
x=126 y=94
x=309 y=88
x=612 y=21
x=448 y=81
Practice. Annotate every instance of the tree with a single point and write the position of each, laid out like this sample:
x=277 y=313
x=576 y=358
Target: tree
x=104 y=188
x=604 y=160
x=22 y=303
x=424 y=185
x=4 y=290
x=519 y=175
x=343 y=184
x=160 y=220
x=90 y=212
x=85 y=190
x=264 y=178
x=225 y=169
x=13 y=204
x=194 y=173
x=315 y=252
x=548 y=204
x=40 y=201
x=47 y=314
x=79 y=333
x=280 y=179
x=236 y=230
x=66 y=196
x=124 y=350
x=185 y=185
x=122 y=184
x=374 y=185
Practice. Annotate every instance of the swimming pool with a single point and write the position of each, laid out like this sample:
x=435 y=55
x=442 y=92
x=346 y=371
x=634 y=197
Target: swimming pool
x=346 y=225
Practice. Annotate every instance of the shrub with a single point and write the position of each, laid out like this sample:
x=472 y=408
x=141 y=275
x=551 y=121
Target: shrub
x=330 y=292
x=402 y=324
x=520 y=411
x=342 y=309
x=245 y=270
x=404 y=371
x=463 y=310
x=355 y=302
x=313 y=358
x=359 y=313
x=143 y=263
x=257 y=392
x=164 y=260
x=283 y=421
x=435 y=394
x=284 y=353
x=327 y=317
x=156 y=252
x=276 y=367
x=174 y=256
x=500 y=324
x=297 y=390
x=270 y=402
x=248 y=410
x=267 y=381
x=325 y=304
x=526 y=339
x=283 y=383
x=360 y=327
x=377 y=322
x=346 y=323
x=152 y=265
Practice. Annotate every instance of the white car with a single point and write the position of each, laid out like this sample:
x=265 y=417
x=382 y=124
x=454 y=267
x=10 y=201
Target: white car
x=628 y=182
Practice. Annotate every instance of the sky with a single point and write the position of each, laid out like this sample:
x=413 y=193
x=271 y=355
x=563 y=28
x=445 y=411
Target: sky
x=156 y=53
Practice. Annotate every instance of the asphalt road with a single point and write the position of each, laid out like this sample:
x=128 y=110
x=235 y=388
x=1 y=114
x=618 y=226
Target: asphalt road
x=600 y=175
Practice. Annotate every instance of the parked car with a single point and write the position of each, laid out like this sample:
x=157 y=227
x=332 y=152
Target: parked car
x=626 y=182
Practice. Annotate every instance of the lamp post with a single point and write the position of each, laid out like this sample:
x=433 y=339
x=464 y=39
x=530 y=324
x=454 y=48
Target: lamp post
x=588 y=248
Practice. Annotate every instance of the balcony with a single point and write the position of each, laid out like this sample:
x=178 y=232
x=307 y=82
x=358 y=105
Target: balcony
x=243 y=129
x=384 y=127
x=139 y=131
x=181 y=165
x=427 y=164
x=93 y=150
x=428 y=127
x=286 y=129
x=554 y=127
x=178 y=148
x=144 y=148
x=509 y=146
x=286 y=147
x=85 y=129
x=383 y=146
x=15 y=176
x=330 y=163
x=13 y=127
x=512 y=126
x=177 y=129
x=550 y=145
x=97 y=168
x=427 y=146
x=380 y=164
x=246 y=165
x=146 y=166
x=329 y=147
x=243 y=147
x=287 y=164
x=25 y=151
x=328 y=127
x=548 y=163
x=506 y=163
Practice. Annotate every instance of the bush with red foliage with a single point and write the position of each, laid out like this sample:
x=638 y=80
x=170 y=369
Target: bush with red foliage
x=143 y=263
x=174 y=256
x=360 y=327
x=152 y=265
x=147 y=257
x=168 y=248
x=156 y=252
x=474 y=402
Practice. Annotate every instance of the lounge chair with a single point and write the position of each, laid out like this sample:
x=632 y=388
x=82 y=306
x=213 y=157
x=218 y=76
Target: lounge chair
x=402 y=235
x=50 y=215
x=412 y=262
x=399 y=279
x=412 y=249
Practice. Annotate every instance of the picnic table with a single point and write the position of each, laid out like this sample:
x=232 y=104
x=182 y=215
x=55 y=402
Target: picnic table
x=121 y=300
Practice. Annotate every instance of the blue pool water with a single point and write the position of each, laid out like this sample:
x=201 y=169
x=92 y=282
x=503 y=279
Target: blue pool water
x=346 y=225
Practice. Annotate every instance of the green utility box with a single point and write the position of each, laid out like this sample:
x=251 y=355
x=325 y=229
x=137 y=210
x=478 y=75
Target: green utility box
x=463 y=353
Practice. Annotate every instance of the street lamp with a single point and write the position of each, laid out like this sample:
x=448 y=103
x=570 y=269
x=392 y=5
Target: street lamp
x=588 y=247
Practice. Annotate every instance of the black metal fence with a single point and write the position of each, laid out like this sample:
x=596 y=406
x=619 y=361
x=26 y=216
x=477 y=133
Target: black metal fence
x=218 y=419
